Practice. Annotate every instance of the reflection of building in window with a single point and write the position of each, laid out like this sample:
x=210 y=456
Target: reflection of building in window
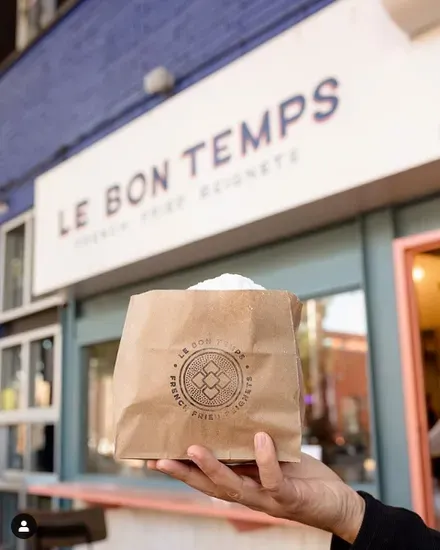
x=347 y=354
x=100 y=443
x=14 y=265
x=101 y=429
x=42 y=447
x=10 y=378
x=334 y=360
x=42 y=371
x=15 y=438
x=350 y=415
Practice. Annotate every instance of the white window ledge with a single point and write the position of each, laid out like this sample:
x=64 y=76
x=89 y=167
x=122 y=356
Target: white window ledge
x=19 y=480
x=33 y=307
x=34 y=415
x=12 y=484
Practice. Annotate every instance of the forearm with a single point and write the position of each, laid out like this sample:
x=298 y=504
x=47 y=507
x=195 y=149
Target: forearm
x=389 y=528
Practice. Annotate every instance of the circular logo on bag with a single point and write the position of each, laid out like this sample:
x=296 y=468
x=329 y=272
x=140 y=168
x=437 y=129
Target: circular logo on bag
x=211 y=383
x=211 y=379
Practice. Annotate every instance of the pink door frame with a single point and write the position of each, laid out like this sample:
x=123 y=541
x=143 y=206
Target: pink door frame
x=404 y=250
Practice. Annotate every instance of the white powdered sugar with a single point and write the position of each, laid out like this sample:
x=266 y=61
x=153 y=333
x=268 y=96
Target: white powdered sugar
x=227 y=282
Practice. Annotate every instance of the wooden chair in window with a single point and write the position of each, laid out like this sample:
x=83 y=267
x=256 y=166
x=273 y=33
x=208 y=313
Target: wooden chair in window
x=68 y=529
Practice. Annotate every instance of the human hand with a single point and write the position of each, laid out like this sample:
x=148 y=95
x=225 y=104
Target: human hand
x=307 y=492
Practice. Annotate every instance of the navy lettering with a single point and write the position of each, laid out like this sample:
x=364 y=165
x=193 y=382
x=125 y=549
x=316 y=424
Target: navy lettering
x=326 y=97
x=81 y=214
x=113 y=200
x=160 y=179
x=192 y=154
x=255 y=141
x=62 y=229
x=220 y=148
x=290 y=111
x=136 y=188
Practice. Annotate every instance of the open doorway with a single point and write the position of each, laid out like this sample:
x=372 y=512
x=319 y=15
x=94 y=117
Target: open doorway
x=426 y=278
x=417 y=282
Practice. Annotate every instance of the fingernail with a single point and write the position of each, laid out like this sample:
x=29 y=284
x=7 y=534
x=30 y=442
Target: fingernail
x=191 y=454
x=260 y=440
x=193 y=457
x=161 y=466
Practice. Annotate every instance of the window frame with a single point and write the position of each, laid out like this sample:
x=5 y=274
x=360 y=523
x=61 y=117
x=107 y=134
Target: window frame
x=23 y=28
x=26 y=414
x=147 y=479
x=28 y=307
x=16 y=54
x=29 y=416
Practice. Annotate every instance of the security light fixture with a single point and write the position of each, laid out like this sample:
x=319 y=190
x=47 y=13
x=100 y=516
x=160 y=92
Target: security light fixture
x=159 y=81
x=4 y=206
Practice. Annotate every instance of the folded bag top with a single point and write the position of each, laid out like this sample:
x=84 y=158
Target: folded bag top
x=210 y=368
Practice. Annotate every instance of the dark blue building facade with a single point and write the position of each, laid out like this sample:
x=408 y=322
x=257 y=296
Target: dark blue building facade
x=83 y=77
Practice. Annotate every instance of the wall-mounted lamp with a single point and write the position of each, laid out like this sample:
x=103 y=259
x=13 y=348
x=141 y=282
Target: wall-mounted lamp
x=159 y=81
x=4 y=206
x=418 y=273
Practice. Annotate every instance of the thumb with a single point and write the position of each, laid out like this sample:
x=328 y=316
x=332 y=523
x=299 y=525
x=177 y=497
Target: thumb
x=271 y=476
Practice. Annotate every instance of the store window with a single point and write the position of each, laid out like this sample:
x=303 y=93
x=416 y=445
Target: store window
x=16 y=262
x=13 y=295
x=16 y=243
x=21 y=21
x=100 y=360
x=27 y=448
x=11 y=379
x=41 y=369
x=334 y=351
x=30 y=369
x=15 y=440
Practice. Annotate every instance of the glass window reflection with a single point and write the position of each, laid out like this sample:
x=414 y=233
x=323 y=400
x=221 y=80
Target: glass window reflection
x=334 y=349
x=41 y=373
x=101 y=360
x=42 y=442
x=333 y=343
x=14 y=265
x=12 y=447
x=11 y=378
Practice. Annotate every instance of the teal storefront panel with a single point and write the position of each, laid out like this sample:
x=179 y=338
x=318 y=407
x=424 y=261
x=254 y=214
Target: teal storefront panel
x=315 y=265
x=418 y=218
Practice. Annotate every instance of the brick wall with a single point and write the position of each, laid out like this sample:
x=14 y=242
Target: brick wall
x=84 y=78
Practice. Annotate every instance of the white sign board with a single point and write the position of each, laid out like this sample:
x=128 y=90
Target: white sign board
x=338 y=101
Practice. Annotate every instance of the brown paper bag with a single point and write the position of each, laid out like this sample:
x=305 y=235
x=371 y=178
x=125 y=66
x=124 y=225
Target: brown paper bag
x=208 y=368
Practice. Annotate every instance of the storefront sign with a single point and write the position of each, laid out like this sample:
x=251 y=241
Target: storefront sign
x=329 y=105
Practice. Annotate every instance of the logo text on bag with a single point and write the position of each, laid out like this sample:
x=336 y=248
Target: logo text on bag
x=212 y=379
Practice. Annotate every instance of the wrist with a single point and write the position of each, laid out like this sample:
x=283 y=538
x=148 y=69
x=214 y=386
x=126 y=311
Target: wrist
x=353 y=513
